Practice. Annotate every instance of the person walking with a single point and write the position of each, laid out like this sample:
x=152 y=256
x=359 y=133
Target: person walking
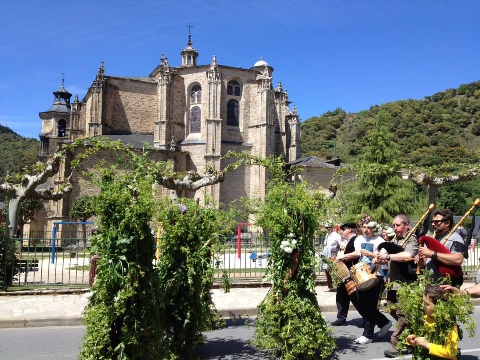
x=348 y=231
x=400 y=271
x=387 y=234
x=366 y=248
x=332 y=245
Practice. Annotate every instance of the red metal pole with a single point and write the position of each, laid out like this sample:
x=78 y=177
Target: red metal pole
x=239 y=241
x=239 y=238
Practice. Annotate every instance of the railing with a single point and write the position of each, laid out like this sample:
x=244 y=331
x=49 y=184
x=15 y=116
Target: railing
x=38 y=267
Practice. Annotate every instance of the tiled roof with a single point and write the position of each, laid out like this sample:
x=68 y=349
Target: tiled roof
x=313 y=161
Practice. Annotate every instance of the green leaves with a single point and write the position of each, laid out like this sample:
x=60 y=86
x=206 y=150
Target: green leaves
x=123 y=315
x=188 y=243
x=452 y=310
x=289 y=322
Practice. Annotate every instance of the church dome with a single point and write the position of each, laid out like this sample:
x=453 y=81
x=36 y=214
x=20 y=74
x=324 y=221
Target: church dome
x=261 y=62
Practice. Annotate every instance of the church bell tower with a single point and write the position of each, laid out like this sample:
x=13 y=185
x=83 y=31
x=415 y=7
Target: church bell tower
x=55 y=121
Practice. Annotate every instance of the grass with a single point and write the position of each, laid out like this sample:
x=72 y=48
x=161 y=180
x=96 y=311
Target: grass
x=44 y=286
x=243 y=271
x=80 y=268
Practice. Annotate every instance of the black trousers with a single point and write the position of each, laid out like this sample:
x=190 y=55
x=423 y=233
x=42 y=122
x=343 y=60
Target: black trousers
x=368 y=308
x=342 y=300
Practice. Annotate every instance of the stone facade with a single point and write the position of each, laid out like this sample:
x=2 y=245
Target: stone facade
x=191 y=113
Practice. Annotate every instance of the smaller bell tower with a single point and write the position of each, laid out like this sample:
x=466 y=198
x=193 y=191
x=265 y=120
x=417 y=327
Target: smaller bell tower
x=55 y=121
x=189 y=54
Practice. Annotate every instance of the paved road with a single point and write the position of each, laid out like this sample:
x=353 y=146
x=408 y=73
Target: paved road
x=229 y=343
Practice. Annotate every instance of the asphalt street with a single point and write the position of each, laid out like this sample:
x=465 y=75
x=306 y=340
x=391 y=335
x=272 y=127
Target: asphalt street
x=231 y=342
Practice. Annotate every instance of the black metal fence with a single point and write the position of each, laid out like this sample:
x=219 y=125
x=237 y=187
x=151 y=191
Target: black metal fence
x=66 y=261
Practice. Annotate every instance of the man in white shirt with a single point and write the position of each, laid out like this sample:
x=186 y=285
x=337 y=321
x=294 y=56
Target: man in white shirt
x=332 y=243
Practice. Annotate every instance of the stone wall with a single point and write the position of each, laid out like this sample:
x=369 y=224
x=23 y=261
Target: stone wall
x=131 y=106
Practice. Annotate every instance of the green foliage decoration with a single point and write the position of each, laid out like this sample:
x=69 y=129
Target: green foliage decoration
x=137 y=310
x=122 y=316
x=454 y=309
x=290 y=323
x=189 y=242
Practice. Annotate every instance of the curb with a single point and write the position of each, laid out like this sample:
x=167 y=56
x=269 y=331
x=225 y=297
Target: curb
x=241 y=313
x=41 y=322
x=78 y=320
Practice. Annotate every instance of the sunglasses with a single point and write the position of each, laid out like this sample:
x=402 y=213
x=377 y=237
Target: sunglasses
x=436 y=222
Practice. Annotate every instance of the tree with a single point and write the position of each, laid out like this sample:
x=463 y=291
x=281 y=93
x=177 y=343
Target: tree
x=379 y=189
x=29 y=187
x=28 y=209
x=82 y=209
x=436 y=176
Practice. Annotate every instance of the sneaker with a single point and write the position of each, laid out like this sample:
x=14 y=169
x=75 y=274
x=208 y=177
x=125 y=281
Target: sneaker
x=363 y=340
x=383 y=331
x=391 y=352
x=338 y=322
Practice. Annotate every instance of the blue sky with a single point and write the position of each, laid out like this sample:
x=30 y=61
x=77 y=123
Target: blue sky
x=327 y=54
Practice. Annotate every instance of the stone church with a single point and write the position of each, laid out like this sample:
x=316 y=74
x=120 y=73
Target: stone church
x=191 y=113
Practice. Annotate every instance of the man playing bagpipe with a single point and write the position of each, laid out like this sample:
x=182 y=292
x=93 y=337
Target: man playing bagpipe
x=401 y=252
x=443 y=253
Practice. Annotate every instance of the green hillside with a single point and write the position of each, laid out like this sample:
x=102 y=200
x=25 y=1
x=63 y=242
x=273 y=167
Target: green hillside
x=16 y=152
x=443 y=127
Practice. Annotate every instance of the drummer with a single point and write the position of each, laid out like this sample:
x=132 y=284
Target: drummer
x=342 y=299
x=366 y=248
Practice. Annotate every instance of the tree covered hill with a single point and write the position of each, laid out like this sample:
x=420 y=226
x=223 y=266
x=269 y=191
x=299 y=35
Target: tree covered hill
x=443 y=127
x=16 y=152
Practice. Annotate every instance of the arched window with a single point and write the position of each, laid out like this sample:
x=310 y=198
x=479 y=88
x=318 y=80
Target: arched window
x=196 y=95
x=195 y=119
x=233 y=112
x=62 y=128
x=233 y=88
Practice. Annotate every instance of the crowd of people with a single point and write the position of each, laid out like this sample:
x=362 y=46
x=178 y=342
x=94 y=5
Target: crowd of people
x=391 y=254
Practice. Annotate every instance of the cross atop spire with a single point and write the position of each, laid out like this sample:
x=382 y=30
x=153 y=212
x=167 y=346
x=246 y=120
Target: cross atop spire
x=189 y=27
x=189 y=34
x=189 y=54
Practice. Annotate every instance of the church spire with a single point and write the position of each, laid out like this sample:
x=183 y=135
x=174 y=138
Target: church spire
x=189 y=54
x=61 y=100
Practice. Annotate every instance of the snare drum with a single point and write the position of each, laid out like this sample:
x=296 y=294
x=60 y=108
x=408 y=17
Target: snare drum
x=340 y=271
x=362 y=276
